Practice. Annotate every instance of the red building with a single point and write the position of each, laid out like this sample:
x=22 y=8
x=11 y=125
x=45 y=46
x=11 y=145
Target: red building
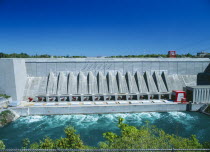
x=178 y=96
x=172 y=54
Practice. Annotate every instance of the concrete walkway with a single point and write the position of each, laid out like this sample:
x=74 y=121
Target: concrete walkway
x=66 y=108
x=96 y=103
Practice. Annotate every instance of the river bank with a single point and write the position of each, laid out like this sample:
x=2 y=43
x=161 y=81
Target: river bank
x=7 y=116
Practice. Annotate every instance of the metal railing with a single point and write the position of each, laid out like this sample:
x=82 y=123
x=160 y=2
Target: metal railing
x=98 y=150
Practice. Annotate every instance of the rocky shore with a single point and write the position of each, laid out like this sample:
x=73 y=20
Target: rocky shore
x=7 y=116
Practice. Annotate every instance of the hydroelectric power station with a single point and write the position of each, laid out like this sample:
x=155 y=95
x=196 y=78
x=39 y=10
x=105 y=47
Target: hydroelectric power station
x=102 y=79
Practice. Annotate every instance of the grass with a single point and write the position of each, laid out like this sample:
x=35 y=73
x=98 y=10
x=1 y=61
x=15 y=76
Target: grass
x=4 y=96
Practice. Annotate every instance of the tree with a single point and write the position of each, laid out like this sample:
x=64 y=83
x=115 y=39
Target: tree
x=25 y=143
x=146 y=137
x=2 y=146
x=71 y=141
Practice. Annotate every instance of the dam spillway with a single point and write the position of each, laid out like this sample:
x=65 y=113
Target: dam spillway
x=104 y=78
x=106 y=86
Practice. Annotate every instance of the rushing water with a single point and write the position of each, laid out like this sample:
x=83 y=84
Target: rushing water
x=91 y=127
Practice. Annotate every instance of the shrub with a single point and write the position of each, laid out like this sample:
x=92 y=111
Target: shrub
x=2 y=146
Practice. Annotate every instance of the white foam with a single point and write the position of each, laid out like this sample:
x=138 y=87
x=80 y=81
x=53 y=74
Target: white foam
x=110 y=117
x=31 y=119
x=183 y=118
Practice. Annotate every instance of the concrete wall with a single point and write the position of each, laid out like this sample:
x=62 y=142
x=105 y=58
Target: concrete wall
x=26 y=111
x=12 y=77
x=20 y=78
x=14 y=72
x=180 y=66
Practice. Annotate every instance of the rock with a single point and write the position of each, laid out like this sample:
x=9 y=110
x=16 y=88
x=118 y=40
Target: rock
x=7 y=116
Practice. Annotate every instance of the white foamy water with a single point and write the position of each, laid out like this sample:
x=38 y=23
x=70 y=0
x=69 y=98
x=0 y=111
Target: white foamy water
x=31 y=119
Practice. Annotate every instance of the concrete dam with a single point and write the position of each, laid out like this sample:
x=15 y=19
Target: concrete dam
x=93 y=79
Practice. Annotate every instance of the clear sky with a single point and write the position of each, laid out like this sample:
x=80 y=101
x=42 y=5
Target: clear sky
x=104 y=27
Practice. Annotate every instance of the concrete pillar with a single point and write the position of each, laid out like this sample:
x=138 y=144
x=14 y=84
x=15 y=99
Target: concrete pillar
x=127 y=96
x=196 y=95
x=204 y=95
x=93 y=97
x=159 y=96
x=13 y=78
x=170 y=96
x=207 y=93
x=70 y=98
x=82 y=98
x=199 y=95
x=59 y=98
x=149 y=96
x=47 y=99
x=116 y=96
x=193 y=100
x=138 y=96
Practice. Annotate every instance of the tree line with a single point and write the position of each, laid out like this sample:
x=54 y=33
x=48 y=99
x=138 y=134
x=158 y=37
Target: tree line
x=130 y=137
x=25 y=55
x=188 y=55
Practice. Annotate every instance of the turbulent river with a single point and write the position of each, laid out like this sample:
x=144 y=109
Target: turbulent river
x=91 y=127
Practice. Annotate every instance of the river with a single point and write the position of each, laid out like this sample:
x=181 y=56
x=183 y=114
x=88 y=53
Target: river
x=91 y=127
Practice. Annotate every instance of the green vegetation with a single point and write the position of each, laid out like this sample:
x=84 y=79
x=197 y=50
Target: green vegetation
x=2 y=146
x=145 y=137
x=25 y=55
x=154 y=56
x=3 y=117
x=4 y=96
x=71 y=141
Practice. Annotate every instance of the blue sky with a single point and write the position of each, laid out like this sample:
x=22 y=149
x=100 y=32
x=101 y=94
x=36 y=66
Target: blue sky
x=104 y=27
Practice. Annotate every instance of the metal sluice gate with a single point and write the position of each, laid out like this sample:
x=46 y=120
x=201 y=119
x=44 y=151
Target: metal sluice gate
x=100 y=97
x=109 y=87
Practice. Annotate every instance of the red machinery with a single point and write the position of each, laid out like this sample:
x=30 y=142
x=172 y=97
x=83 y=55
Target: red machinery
x=30 y=99
x=172 y=54
x=178 y=96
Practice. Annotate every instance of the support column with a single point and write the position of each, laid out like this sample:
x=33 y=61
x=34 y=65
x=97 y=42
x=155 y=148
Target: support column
x=82 y=98
x=138 y=96
x=159 y=96
x=116 y=96
x=170 y=96
x=70 y=98
x=93 y=97
x=47 y=98
x=127 y=96
x=59 y=98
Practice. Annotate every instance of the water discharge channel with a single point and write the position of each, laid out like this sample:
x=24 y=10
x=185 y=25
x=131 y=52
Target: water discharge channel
x=91 y=127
